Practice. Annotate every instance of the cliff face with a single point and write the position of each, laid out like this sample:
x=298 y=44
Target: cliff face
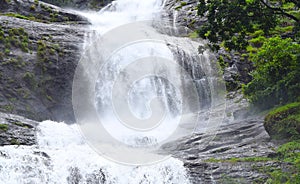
x=237 y=68
x=40 y=46
x=80 y=4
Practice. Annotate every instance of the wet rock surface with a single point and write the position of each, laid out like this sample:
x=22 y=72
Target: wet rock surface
x=16 y=130
x=210 y=156
x=37 y=64
x=39 y=11
x=184 y=14
x=81 y=4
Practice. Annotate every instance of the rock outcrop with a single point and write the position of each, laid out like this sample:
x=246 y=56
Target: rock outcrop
x=237 y=153
x=40 y=46
x=16 y=130
x=80 y=4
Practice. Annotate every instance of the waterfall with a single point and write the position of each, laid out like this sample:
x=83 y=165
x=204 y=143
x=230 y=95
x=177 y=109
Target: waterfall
x=62 y=156
x=143 y=85
x=132 y=70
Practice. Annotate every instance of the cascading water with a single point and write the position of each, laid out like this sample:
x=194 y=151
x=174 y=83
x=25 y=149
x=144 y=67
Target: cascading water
x=63 y=156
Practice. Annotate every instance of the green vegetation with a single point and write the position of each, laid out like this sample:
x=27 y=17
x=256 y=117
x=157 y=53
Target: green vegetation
x=277 y=74
x=30 y=78
x=244 y=159
x=284 y=122
x=14 y=141
x=264 y=32
x=19 y=123
x=16 y=15
x=288 y=153
x=45 y=50
x=14 y=37
x=33 y=7
x=232 y=21
x=4 y=127
x=7 y=108
x=182 y=3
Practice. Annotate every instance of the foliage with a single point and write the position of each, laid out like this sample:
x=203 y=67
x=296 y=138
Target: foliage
x=277 y=75
x=232 y=20
x=284 y=122
x=289 y=153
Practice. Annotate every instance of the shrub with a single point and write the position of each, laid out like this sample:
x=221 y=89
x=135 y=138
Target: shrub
x=277 y=75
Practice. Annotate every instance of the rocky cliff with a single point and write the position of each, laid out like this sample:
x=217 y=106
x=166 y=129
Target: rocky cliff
x=39 y=50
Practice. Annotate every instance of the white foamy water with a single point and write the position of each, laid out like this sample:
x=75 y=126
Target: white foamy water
x=62 y=156
x=137 y=88
x=121 y=12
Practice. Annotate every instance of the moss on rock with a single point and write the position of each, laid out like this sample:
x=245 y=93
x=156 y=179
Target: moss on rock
x=284 y=122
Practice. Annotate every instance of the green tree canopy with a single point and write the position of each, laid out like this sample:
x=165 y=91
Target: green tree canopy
x=231 y=20
x=277 y=75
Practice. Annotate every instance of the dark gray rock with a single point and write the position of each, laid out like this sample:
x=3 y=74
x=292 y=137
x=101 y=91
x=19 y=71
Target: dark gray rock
x=80 y=4
x=36 y=81
x=40 y=11
x=244 y=138
x=18 y=131
x=184 y=13
x=241 y=135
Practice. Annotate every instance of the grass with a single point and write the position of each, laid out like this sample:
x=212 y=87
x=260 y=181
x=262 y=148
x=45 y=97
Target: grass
x=194 y=35
x=16 y=15
x=284 y=108
x=4 y=127
x=244 y=159
x=288 y=153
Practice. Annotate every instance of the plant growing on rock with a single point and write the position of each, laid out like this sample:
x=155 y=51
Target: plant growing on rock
x=4 y=127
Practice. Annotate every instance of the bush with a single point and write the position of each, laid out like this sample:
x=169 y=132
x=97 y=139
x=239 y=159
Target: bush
x=277 y=75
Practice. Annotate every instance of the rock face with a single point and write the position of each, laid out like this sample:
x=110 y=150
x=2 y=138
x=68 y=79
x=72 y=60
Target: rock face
x=80 y=4
x=16 y=130
x=236 y=68
x=38 y=57
x=231 y=155
x=184 y=13
x=241 y=139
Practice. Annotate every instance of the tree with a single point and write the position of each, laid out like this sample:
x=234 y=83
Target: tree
x=231 y=20
x=277 y=75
